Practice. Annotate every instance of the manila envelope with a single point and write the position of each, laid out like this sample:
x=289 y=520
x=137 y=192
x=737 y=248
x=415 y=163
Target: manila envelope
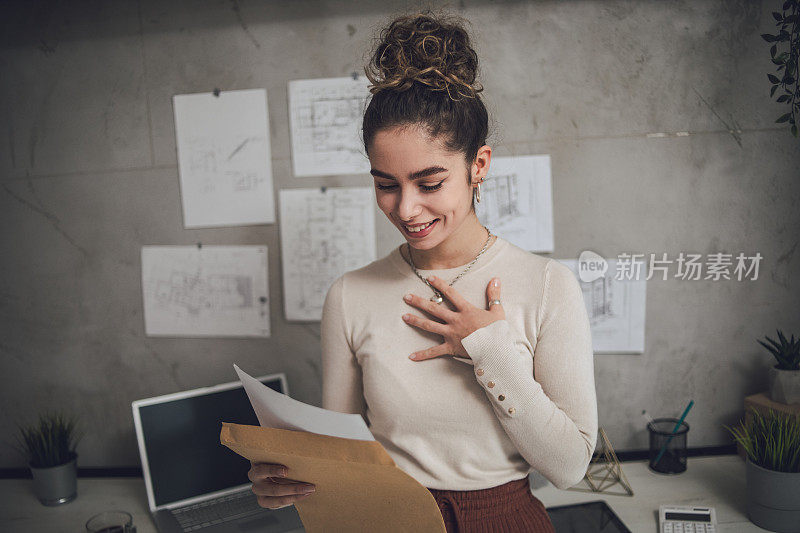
x=358 y=486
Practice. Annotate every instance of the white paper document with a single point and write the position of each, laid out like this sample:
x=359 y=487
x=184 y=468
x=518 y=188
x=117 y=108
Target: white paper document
x=323 y=235
x=517 y=201
x=208 y=291
x=224 y=158
x=616 y=309
x=325 y=119
x=276 y=410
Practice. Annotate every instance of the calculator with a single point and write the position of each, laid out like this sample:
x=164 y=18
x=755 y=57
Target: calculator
x=686 y=519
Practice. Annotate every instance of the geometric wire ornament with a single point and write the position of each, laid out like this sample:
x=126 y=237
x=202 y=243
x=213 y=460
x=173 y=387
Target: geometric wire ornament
x=604 y=471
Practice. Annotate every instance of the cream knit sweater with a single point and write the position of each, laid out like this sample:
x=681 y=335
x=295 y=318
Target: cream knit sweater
x=441 y=420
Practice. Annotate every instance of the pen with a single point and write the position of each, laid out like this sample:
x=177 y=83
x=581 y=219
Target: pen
x=678 y=425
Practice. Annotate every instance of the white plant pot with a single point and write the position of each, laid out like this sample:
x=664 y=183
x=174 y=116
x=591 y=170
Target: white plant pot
x=784 y=385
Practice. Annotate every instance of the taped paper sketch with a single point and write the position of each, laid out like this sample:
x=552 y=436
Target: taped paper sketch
x=325 y=119
x=616 y=309
x=224 y=158
x=216 y=291
x=517 y=201
x=323 y=235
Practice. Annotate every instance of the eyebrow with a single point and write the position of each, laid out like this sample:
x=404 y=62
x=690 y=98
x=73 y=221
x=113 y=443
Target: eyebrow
x=424 y=173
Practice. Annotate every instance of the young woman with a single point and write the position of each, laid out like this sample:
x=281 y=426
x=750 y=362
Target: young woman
x=396 y=334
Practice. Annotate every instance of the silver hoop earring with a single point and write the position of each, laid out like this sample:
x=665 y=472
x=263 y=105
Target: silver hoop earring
x=477 y=193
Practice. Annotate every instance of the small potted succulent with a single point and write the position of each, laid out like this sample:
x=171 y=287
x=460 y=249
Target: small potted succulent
x=49 y=447
x=772 y=477
x=784 y=376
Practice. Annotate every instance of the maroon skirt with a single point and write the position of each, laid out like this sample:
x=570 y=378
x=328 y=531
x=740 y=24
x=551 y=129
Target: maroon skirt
x=507 y=508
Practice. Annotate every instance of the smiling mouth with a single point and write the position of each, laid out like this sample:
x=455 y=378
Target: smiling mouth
x=419 y=227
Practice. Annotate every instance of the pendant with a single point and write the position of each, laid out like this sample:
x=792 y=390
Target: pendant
x=436 y=299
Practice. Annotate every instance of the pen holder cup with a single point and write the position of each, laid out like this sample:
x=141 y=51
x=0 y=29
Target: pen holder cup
x=672 y=460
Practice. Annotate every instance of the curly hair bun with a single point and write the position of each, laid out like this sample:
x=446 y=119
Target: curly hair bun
x=423 y=48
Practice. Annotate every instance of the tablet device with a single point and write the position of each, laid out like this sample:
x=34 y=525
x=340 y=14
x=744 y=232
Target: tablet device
x=588 y=517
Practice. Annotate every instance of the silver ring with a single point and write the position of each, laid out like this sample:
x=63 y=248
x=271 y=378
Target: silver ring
x=492 y=302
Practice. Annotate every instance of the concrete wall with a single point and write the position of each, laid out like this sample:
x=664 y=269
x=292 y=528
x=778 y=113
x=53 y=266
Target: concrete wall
x=88 y=174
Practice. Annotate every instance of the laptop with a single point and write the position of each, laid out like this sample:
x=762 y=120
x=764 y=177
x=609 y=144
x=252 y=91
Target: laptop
x=193 y=482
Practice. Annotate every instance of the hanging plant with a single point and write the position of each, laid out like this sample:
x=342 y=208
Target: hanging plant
x=787 y=61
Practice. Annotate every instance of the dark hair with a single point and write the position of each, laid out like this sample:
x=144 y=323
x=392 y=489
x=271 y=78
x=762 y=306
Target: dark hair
x=423 y=72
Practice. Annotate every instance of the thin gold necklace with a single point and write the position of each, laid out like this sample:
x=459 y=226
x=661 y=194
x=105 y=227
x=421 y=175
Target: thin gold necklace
x=437 y=296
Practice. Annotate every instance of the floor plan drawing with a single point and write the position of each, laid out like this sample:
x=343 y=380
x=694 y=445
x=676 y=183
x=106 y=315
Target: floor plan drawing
x=502 y=200
x=217 y=291
x=616 y=309
x=224 y=158
x=516 y=201
x=325 y=121
x=323 y=235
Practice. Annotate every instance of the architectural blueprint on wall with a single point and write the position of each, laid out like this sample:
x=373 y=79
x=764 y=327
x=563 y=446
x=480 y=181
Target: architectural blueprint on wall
x=208 y=291
x=616 y=309
x=224 y=158
x=323 y=235
x=325 y=119
x=517 y=201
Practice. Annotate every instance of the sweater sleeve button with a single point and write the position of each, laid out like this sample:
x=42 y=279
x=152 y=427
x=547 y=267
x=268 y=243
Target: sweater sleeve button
x=511 y=410
x=501 y=397
x=479 y=371
x=490 y=384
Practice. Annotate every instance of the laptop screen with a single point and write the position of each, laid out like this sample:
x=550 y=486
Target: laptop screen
x=181 y=440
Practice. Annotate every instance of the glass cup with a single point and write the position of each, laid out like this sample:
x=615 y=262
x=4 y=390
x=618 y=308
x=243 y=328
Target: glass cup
x=111 y=522
x=673 y=460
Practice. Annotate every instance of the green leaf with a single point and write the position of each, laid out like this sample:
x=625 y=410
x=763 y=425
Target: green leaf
x=51 y=442
x=769 y=38
x=777 y=16
x=773 y=78
x=772 y=91
x=784 y=98
x=794 y=130
x=784 y=117
x=772 y=50
x=787 y=4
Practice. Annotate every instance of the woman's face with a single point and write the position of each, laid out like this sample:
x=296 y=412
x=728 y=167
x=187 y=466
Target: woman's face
x=418 y=181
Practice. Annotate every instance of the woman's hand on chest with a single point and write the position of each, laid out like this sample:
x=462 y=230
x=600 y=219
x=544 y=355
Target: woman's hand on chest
x=455 y=325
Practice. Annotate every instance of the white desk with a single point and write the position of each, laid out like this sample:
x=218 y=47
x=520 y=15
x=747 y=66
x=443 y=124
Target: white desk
x=716 y=481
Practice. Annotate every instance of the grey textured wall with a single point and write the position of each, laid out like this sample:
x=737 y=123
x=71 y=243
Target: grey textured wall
x=88 y=174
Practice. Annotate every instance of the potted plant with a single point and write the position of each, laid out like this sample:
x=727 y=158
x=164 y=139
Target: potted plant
x=785 y=376
x=772 y=477
x=49 y=447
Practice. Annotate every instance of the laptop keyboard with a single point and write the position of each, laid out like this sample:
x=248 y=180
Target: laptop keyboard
x=223 y=509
